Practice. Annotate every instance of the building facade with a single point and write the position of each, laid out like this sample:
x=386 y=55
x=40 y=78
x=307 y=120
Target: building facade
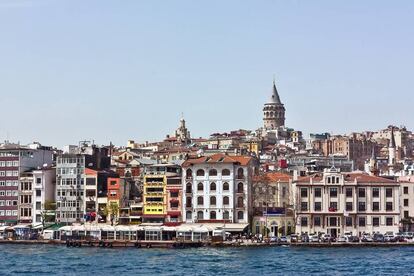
x=218 y=188
x=333 y=202
x=16 y=159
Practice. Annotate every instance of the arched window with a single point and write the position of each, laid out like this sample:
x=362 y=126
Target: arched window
x=225 y=172
x=240 y=202
x=200 y=200
x=189 y=215
x=226 y=215
x=200 y=187
x=271 y=114
x=188 y=188
x=240 y=215
x=213 y=200
x=226 y=186
x=200 y=215
x=200 y=172
x=213 y=186
x=212 y=172
x=240 y=173
x=188 y=201
x=213 y=215
x=226 y=200
x=240 y=187
x=189 y=174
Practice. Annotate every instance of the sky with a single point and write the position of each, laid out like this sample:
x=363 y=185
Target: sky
x=100 y=70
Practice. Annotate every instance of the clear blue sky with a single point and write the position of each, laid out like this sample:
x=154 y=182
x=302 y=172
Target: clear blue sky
x=118 y=70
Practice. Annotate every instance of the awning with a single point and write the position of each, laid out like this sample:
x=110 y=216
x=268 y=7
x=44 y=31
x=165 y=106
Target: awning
x=21 y=226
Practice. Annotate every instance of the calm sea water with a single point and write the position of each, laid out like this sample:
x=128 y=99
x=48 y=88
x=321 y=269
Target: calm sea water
x=59 y=260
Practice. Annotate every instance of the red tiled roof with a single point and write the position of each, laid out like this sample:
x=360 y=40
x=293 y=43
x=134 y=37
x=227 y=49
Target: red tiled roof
x=277 y=176
x=219 y=158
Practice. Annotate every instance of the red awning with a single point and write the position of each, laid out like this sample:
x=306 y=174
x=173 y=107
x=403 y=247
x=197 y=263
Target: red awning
x=174 y=213
x=174 y=190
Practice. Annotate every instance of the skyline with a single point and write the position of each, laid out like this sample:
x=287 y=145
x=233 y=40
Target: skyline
x=338 y=67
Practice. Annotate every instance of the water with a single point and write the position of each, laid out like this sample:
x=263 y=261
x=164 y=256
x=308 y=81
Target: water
x=60 y=260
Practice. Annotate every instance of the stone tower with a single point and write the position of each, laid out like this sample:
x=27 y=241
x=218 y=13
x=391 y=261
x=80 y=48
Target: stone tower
x=182 y=134
x=274 y=111
x=391 y=153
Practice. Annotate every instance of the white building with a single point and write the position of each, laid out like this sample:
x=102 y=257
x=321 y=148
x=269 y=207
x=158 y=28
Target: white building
x=43 y=189
x=334 y=203
x=217 y=188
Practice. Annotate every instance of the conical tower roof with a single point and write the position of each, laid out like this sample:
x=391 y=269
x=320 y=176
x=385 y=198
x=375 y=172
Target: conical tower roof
x=275 y=99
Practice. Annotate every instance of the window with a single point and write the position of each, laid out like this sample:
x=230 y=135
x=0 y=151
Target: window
x=375 y=192
x=200 y=215
x=212 y=172
x=388 y=206
x=333 y=221
x=406 y=214
x=200 y=187
x=304 y=221
x=405 y=190
x=38 y=193
x=226 y=186
x=349 y=206
x=188 y=201
x=375 y=206
x=188 y=188
x=200 y=172
x=361 y=206
x=304 y=192
x=317 y=221
x=240 y=202
x=303 y=206
x=240 y=188
x=318 y=206
x=361 y=192
x=333 y=192
x=189 y=215
x=200 y=200
x=240 y=173
x=375 y=221
x=388 y=192
x=348 y=192
x=406 y=202
x=348 y=221
x=225 y=172
x=389 y=221
x=213 y=215
x=213 y=200
x=213 y=186
x=361 y=221
x=333 y=206
x=226 y=200
x=189 y=174
x=226 y=215
x=318 y=192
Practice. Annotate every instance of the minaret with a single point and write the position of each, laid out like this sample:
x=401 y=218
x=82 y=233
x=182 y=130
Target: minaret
x=182 y=134
x=274 y=111
x=391 y=152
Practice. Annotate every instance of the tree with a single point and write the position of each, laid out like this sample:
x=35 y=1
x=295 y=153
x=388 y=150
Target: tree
x=261 y=194
x=48 y=213
x=112 y=211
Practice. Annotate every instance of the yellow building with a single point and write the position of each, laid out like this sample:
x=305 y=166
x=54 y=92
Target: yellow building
x=155 y=198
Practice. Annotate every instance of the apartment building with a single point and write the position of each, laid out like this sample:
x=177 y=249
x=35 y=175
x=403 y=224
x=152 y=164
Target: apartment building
x=15 y=159
x=334 y=202
x=218 y=188
x=162 y=187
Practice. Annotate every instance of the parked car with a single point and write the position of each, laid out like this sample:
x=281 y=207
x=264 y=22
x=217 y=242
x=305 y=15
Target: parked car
x=378 y=238
x=283 y=239
x=342 y=239
x=273 y=239
x=353 y=239
x=367 y=238
x=389 y=237
x=326 y=238
x=304 y=238
x=294 y=238
x=314 y=238
x=399 y=237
